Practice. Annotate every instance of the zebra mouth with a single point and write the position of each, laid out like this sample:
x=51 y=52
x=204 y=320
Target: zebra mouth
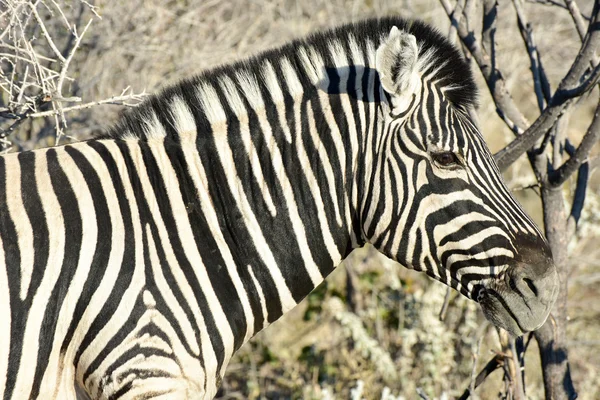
x=497 y=311
x=508 y=309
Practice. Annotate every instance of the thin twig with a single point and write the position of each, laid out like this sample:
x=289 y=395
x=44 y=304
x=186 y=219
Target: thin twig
x=33 y=7
x=115 y=100
x=577 y=17
x=496 y=362
x=591 y=137
x=67 y=61
x=506 y=107
x=455 y=19
x=559 y=102
x=539 y=76
x=444 y=310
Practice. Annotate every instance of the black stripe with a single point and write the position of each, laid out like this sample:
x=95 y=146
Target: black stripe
x=32 y=203
x=12 y=261
x=103 y=243
x=208 y=249
x=73 y=242
x=155 y=177
x=127 y=264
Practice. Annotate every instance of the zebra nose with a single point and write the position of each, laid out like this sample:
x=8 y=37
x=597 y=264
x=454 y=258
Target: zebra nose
x=534 y=282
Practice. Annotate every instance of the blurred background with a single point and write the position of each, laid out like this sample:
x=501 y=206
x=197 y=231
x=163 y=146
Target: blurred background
x=374 y=329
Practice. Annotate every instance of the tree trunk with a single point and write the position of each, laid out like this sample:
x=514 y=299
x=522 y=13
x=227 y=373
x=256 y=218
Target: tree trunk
x=552 y=337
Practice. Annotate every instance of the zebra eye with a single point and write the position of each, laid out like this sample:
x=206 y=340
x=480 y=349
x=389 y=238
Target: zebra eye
x=446 y=159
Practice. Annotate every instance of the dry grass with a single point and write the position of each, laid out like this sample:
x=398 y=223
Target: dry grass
x=318 y=350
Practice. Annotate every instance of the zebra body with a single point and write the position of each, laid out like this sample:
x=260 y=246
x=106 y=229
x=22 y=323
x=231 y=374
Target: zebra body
x=135 y=265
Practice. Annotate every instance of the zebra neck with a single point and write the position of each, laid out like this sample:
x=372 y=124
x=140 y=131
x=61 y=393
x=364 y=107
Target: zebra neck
x=279 y=166
x=266 y=224
x=282 y=211
x=268 y=172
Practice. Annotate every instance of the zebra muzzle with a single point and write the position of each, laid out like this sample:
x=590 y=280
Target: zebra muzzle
x=522 y=299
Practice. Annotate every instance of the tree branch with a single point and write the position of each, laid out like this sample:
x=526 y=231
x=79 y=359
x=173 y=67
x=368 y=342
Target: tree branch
x=577 y=17
x=496 y=362
x=506 y=107
x=591 y=137
x=115 y=100
x=456 y=16
x=559 y=101
x=586 y=86
x=578 y=197
x=67 y=61
x=540 y=81
x=552 y=356
x=58 y=54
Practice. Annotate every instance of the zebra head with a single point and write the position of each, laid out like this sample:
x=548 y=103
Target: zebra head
x=438 y=180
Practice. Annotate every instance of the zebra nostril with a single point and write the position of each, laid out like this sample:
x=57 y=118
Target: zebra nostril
x=523 y=285
x=531 y=286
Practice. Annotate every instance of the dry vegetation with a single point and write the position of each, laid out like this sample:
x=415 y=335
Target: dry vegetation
x=372 y=330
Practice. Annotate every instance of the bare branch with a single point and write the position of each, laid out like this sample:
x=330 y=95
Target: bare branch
x=94 y=9
x=490 y=14
x=578 y=197
x=45 y=31
x=560 y=101
x=122 y=100
x=556 y=382
x=540 y=81
x=591 y=137
x=496 y=362
x=455 y=18
x=506 y=107
x=444 y=310
x=62 y=14
x=586 y=86
x=67 y=61
x=577 y=17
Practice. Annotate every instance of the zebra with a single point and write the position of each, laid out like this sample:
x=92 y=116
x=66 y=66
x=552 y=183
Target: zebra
x=135 y=264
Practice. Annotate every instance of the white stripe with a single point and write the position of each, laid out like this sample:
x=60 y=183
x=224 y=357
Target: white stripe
x=360 y=66
x=315 y=190
x=323 y=152
x=286 y=187
x=16 y=212
x=127 y=301
x=371 y=133
x=341 y=58
x=184 y=122
x=89 y=230
x=241 y=112
x=153 y=129
x=270 y=79
x=184 y=232
x=440 y=231
x=404 y=196
x=5 y=320
x=117 y=247
x=188 y=362
x=294 y=86
x=261 y=296
x=51 y=271
x=219 y=130
x=312 y=64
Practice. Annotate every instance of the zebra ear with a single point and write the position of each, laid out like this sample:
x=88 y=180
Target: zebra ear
x=396 y=63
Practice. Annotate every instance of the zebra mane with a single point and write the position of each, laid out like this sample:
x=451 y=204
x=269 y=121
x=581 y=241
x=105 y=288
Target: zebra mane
x=439 y=59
